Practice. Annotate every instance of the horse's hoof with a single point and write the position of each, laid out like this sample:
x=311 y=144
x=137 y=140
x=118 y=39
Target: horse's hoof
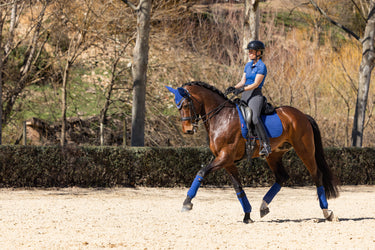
x=247 y=219
x=264 y=212
x=187 y=207
x=329 y=215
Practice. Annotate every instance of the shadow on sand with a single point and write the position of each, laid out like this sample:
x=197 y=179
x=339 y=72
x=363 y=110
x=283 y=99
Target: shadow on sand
x=316 y=220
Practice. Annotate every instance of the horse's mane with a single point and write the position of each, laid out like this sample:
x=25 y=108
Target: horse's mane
x=207 y=86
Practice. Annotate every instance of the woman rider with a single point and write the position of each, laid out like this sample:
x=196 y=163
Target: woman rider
x=251 y=88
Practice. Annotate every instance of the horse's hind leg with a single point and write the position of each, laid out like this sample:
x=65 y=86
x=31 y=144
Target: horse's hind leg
x=275 y=163
x=305 y=149
x=233 y=172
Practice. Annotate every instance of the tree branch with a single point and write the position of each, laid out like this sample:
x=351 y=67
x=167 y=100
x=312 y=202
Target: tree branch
x=130 y=4
x=334 y=22
x=359 y=10
x=297 y=6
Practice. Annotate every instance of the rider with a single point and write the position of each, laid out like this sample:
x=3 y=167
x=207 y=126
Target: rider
x=251 y=86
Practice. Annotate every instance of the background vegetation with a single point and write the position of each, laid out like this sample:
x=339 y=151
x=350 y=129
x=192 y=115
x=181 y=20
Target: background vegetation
x=56 y=166
x=312 y=65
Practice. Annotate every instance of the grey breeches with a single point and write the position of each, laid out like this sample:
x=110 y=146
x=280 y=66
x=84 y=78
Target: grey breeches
x=254 y=100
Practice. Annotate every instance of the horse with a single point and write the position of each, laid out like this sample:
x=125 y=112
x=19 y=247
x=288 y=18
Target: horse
x=200 y=101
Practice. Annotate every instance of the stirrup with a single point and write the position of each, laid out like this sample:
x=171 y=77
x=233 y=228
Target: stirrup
x=266 y=150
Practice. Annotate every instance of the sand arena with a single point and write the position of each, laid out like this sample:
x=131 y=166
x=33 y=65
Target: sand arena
x=150 y=218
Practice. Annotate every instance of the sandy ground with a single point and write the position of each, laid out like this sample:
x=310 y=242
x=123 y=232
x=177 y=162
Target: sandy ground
x=150 y=218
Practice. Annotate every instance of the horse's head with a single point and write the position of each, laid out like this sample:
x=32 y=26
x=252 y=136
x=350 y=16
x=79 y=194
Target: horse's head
x=189 y=108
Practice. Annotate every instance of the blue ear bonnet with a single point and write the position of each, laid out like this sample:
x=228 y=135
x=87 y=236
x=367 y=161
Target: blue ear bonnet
x=179 y=95
x=183 y=92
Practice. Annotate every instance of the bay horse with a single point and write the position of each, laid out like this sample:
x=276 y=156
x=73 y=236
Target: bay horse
x=201 y=101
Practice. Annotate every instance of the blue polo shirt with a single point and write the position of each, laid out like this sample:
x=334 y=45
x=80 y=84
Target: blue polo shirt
x=252 y=70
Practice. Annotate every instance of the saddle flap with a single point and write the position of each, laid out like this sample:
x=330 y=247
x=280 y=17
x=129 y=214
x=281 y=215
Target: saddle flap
x=272 y=122
x=246 y=113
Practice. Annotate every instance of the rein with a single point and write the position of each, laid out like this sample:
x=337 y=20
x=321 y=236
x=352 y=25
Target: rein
x=213 y=112
x=195 y=118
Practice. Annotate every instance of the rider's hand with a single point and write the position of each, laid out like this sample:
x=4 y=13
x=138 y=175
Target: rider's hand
x=239 y=91
x=230 y=90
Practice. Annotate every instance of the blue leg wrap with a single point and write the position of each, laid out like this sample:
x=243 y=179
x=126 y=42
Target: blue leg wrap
x=272 y=193
x=322 y=198
x=194 y=186
x=244 y=201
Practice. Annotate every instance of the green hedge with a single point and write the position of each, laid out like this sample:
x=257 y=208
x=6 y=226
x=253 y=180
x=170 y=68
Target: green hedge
x=31 y=166
x=352 y=166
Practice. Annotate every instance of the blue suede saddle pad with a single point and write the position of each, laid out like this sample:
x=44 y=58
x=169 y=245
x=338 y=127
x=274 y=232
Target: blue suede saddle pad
x=272 y=124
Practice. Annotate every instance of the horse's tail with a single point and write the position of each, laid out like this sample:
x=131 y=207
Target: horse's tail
x=329 y=179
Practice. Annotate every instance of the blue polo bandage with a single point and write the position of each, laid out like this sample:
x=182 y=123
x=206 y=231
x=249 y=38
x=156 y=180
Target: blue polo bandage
x=194 y=186
x=244 y=201
x=272 y=192
x=322 y=198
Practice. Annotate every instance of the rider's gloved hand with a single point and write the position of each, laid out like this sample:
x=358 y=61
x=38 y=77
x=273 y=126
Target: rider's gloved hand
x=239 y=91
x=230 y=90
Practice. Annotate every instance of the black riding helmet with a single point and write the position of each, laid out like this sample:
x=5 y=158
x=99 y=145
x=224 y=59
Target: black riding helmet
x=256 y=45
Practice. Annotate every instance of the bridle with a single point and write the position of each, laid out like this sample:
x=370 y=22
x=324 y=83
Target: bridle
x=194 y=119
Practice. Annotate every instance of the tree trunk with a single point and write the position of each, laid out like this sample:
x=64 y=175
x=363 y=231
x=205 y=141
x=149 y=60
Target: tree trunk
x=63 y=104
x=1 y=78
x=365 y=69
x=12 y=25
x=250 y=25
x=139 y=72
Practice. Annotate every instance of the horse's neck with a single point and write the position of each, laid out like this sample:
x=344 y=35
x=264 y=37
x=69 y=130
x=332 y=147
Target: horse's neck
x=216 y=109
x=211 y=102
x=211 y=105
x=221 y=123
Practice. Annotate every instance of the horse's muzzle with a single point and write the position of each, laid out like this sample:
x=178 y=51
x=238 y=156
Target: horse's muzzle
x=189 y=132
x=190 y=128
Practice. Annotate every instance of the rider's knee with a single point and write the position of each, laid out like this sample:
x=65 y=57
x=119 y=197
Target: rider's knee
x=255 y=121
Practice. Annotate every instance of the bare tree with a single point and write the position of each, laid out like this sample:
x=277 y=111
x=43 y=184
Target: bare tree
x=365 y=69
x=1 y=76
x=139 y=70
x=80 y=24
x=20 y=77
x=77 y=45
x=116 y=56
x=251 y=24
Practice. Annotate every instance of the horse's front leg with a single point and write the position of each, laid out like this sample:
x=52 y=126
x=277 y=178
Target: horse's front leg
x=187 y=205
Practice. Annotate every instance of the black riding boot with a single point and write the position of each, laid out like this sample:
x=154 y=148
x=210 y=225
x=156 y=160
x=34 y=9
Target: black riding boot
x=264 y=140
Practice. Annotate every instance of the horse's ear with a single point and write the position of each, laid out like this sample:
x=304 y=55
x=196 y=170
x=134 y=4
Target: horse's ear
x=177 y=96
x=174 y=91
x=183 y=92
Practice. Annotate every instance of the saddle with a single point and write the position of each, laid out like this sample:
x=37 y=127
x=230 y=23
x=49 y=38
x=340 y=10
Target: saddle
x=269 y=117
x=267 y=109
